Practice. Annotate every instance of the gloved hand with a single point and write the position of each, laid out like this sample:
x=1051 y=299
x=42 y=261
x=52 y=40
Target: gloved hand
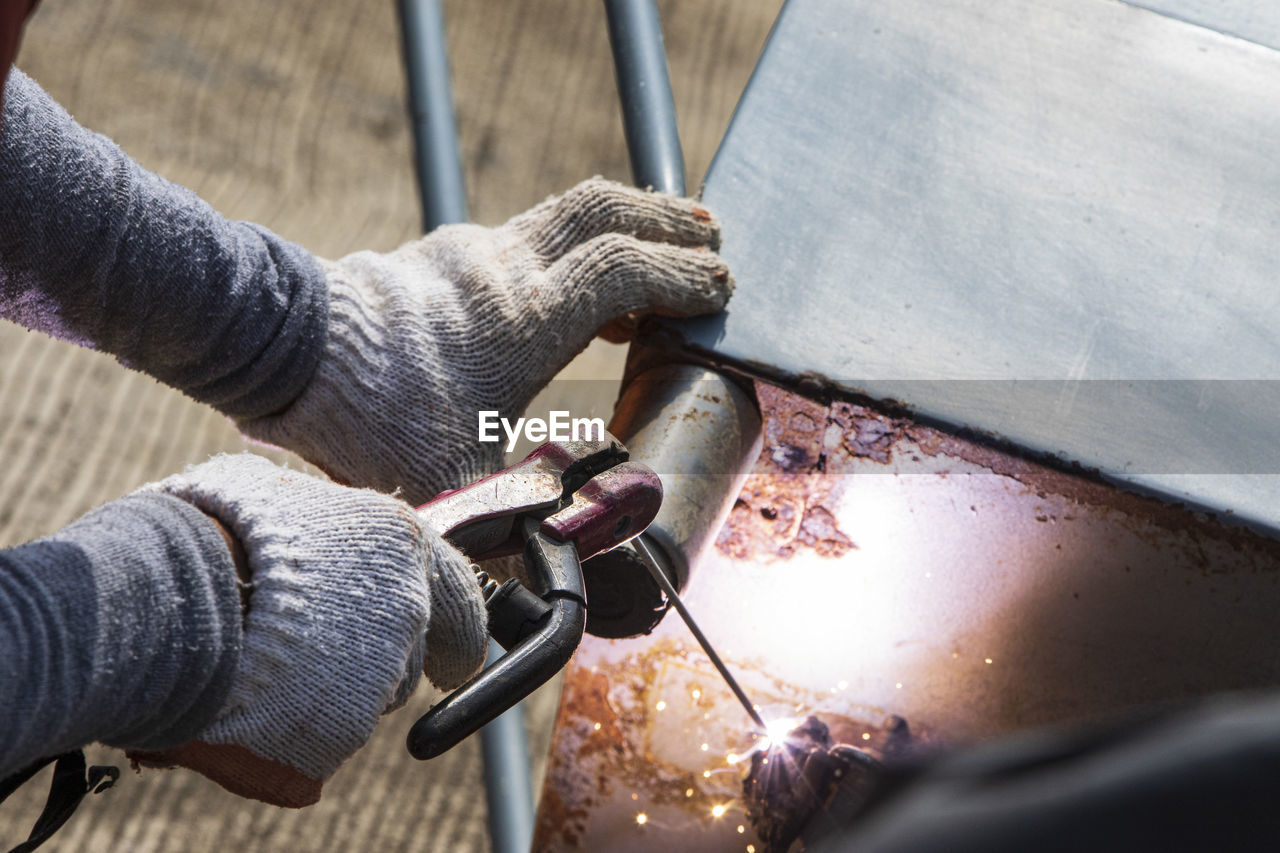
x=350 y=596
x=467 y=319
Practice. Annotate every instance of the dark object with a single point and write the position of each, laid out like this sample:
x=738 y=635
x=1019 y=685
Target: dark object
x=644 y=87
x=803 y=775
x=514 y=613
x=1198 y=777
x=625 y=600
x=69 y=786
x=564 y=501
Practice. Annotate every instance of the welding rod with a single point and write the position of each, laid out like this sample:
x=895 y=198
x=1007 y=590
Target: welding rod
x=651 y=563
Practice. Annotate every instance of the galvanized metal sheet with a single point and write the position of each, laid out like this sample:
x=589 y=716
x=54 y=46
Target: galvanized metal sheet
x=1057 y=221
x=1253 y=20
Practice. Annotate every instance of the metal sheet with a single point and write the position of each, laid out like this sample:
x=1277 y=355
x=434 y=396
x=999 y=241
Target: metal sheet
x=876 y=567
x=1057 y=221
x=1253 y=20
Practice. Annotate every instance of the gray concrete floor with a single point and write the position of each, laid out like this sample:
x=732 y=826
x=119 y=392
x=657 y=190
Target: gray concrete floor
x=291 y=114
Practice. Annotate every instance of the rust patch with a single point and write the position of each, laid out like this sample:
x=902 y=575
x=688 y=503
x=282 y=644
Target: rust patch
x=556 y=819
x=784 y=505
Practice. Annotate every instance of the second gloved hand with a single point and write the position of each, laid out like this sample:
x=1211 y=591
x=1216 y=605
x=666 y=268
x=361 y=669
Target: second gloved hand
x=350 y=598
x=472 y=319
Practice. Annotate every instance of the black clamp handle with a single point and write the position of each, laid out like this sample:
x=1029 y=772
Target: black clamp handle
x=540 y=632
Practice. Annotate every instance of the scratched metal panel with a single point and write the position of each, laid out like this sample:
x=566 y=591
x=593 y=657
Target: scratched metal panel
x=1057 y=221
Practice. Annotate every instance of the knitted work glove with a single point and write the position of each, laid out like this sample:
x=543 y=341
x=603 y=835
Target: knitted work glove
x=471 y=319
x=349 y=596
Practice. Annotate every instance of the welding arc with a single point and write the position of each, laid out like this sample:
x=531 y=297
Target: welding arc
x=651 y=563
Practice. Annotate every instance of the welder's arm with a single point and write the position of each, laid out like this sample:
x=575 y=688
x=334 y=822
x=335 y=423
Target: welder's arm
x=374 y=367
x=126 y=627
x=99 y=251
x=123 y=627
x=1201 y=778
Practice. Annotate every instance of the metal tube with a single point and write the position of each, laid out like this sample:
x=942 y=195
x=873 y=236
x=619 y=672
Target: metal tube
x=436 y=158
x=442 y=191
x=695 y=428
x=701 y=434
x=644 y=87
x=508 y=788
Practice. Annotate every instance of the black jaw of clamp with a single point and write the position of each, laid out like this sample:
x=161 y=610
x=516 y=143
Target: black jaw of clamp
x=567 y=501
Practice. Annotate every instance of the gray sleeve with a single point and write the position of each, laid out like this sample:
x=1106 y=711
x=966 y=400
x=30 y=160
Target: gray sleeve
x=123 y=627
x=97 y=250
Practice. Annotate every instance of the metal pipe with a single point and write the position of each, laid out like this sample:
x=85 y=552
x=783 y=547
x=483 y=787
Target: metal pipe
x=442 y=191
x=436 y=158
x=644 y=87
x=701 y=434
x=695 y=428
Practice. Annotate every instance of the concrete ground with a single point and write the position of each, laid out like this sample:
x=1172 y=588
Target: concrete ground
x=292 y=114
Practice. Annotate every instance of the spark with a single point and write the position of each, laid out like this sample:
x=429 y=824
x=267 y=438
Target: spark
x=696 y=694
x=642 y=818
x=866 y=736
x=706 y=774
x=733 y=758
x=634 y=795
x=688 y=792
x=705 y=747
x=741 y=829
x=597 y=727
x=751 y=848
x=718 y=811
x=988 y=660
x=898 y=685
x=662 y=705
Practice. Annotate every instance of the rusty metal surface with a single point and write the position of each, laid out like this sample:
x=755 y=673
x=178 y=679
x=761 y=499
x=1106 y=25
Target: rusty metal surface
x=1053 y=221
x=875 y=567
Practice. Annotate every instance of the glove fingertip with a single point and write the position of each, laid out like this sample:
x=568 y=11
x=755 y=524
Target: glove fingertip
x=457 y=631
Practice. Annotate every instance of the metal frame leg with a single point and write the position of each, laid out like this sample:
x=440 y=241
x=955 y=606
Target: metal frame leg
x=442 y=189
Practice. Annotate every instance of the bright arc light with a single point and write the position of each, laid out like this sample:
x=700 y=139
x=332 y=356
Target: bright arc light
x=776 y=731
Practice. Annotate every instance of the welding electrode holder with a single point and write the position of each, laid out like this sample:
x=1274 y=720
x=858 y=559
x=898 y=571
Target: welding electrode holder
x=539 y=631
x=566 y=501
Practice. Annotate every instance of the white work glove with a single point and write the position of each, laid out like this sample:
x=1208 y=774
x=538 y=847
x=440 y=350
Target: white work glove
x=468 y=319
x=350 y=596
